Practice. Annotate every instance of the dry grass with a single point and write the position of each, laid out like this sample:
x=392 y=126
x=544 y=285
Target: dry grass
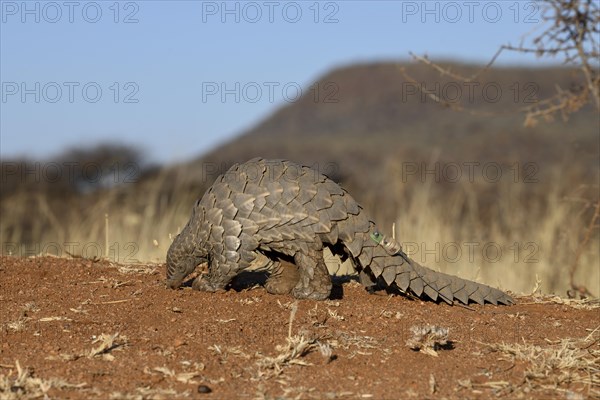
x=565 y=362
x=582 y=304
x=105 y=344
x=20 y=323
x=524 y=234
x=150 y=393
x=20 y=383
x=184 y=377
x=292 y=352
x=428 y=339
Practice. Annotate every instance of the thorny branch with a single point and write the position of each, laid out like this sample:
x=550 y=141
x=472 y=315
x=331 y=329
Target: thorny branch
x=572 y=28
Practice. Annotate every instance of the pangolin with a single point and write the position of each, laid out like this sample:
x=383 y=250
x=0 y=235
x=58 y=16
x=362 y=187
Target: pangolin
x=289 y=212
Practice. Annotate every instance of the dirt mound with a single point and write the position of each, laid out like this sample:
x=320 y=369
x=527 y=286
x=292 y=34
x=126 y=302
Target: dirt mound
x=80 y=329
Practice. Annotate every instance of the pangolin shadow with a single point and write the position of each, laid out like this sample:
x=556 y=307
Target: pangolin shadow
x=243 y=281
x=246 y=280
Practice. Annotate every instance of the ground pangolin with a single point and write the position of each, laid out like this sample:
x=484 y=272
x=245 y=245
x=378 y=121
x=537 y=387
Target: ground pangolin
x=289 y=213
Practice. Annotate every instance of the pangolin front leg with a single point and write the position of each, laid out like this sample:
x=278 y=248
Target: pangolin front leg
x=217 y=278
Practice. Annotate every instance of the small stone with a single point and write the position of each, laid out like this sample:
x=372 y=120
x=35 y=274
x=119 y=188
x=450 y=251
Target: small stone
x=204 y=389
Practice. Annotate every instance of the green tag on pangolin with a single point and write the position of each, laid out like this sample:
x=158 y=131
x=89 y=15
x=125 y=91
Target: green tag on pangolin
x=377 y=237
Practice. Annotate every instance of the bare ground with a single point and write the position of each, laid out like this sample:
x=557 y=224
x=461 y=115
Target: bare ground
x=75 y=328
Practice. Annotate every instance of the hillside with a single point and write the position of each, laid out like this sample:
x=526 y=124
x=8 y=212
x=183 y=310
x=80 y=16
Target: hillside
x=375 y=105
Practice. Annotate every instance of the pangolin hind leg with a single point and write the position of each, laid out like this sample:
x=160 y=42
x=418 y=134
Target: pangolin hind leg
x=314 y=281
x=284 y=277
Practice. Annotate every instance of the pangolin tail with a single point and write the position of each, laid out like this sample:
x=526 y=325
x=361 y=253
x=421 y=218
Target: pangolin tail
x=401 y=271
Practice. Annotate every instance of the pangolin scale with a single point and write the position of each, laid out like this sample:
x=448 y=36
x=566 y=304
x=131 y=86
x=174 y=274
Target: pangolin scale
x=289 y=213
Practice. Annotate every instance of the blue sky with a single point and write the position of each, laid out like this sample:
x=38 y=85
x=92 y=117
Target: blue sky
x=151 y=73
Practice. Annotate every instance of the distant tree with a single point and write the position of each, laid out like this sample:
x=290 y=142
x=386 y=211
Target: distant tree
x=81 y=169
x=104 y=165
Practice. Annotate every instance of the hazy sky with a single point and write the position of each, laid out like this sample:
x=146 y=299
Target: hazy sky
x=179 y=77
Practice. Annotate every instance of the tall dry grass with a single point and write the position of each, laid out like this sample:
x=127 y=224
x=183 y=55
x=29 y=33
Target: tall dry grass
x=521 y=234
x=513 y=248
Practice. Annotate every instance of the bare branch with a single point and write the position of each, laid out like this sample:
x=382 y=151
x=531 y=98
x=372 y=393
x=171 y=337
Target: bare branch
x=572 y=28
